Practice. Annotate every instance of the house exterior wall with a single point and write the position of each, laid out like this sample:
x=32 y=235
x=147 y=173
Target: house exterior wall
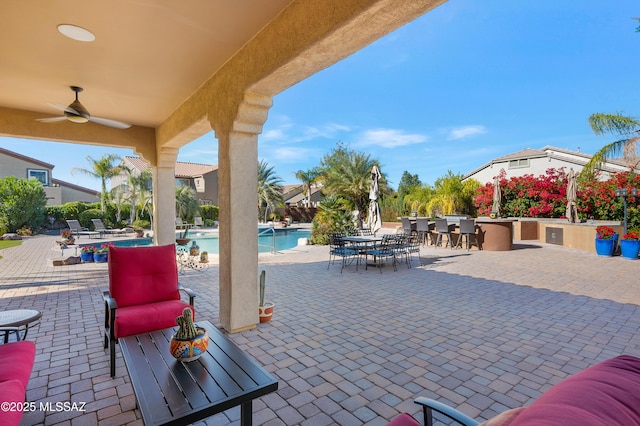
x=536 y=166
x=53 y=195
x=70 y=194
x=18 y=167
x=538 y=163
x=210 y=195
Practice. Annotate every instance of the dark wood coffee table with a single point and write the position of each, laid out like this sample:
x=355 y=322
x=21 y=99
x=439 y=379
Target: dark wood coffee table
x=170 y=392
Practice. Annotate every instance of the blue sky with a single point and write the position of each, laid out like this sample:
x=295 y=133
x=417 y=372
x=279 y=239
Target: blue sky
x=468 y=82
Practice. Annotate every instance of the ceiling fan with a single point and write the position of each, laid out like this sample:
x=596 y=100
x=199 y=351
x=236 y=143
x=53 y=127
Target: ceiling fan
x=77 y=113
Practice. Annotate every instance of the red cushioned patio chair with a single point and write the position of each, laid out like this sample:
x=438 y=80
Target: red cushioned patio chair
x=607 y=393
x=144 y=293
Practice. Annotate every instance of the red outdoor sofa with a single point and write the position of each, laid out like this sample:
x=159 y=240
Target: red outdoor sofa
x=16 y=363
x=605 y=394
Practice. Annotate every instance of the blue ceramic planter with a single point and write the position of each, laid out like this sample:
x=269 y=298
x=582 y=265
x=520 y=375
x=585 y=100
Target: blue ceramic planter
x=86 y=257
x=630 y=249
x=100 y=257
x=606 y=247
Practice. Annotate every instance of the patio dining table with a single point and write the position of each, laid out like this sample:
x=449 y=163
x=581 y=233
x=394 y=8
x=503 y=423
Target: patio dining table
x=363 y=242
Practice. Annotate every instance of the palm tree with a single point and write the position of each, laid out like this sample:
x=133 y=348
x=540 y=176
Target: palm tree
x=269 y=188
x=347 y=173
x=186 y=202
x=104 y=169
x=620 y=125
x=308 y=178
x=138 y=191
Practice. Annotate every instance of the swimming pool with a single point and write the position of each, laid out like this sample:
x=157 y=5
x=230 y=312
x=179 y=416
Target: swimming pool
x=285 y=239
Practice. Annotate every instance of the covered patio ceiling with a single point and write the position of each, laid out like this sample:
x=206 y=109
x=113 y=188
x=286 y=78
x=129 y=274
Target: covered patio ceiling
x=154 y=63
x=176 y=70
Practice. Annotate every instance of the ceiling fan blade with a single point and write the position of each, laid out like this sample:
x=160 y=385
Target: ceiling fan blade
x=64 y=108
x=110 y=123
x=51 y=119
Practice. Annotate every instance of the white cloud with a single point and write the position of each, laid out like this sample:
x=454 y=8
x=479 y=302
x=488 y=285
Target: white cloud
x=286 y=131
x=465 y=131
x=291 y=154
x=390 y=138
x=273 y=134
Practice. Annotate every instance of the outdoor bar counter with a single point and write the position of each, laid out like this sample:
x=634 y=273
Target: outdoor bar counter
x=497 y=234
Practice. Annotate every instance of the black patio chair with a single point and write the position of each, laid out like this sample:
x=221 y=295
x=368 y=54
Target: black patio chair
x=338 y=248
x=383 y=251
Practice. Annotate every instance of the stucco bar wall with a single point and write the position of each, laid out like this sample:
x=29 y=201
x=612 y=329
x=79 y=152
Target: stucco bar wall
x=580 y=236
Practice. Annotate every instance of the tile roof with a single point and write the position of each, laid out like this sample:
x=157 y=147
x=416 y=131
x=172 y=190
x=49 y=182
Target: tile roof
x=183 y=169
x=25 y=158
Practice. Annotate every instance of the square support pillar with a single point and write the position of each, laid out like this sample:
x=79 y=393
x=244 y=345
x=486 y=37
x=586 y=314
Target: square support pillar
x=238 y=234
x=164 y=198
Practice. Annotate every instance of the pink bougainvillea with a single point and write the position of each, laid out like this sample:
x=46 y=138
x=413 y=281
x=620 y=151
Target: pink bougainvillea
x=545 y=196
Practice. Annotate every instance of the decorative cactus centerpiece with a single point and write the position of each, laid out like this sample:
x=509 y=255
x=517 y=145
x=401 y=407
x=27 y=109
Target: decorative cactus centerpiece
x=189 y=342
x=187 y=328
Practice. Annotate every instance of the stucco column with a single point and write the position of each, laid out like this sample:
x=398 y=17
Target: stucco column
x=238 y=215
x=164 y=196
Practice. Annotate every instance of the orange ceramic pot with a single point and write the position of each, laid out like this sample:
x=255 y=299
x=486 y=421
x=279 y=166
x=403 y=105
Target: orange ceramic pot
x=187 y=350
x=266 y=312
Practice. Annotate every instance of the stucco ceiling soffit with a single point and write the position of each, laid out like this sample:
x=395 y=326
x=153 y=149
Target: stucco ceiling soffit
x=304 y=38
x=21 y=123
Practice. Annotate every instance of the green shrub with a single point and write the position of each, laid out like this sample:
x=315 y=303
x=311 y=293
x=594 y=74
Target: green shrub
x=333 y=215
x=24 y=231
x=141 y=223
x=73 y=209
x=209 y=212
x=23 y=203
x=85 y=217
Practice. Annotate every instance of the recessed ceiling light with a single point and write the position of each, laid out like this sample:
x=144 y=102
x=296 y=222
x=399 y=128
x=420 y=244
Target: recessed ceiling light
x=76 y=33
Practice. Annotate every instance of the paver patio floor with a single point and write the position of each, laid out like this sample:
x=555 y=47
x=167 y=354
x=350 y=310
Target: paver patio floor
x=482 y=331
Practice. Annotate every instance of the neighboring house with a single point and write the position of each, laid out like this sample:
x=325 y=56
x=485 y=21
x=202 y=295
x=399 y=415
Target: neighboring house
x=203 y=178
x=57 y=191
x=537 y=161
x=295 y=196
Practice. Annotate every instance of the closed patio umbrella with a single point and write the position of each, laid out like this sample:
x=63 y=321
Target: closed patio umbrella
x=497 y=197
x=572 y=213
x=374 y=219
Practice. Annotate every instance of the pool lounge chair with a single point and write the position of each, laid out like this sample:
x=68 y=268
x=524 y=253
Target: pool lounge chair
x=78 y=230
x=98 y=225
x=197 y=222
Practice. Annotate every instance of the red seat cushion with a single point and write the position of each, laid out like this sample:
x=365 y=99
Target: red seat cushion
x=404 y=419
x=154 y=316
x=143 y=275
x=607 y=393
x=11 y=391
x=17 y=362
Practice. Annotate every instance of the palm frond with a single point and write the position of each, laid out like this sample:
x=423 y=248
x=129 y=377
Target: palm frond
x=613 y=123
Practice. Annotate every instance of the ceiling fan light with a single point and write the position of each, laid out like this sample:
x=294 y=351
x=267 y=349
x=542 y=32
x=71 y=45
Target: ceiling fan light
x=75 y=32
x=77 y=118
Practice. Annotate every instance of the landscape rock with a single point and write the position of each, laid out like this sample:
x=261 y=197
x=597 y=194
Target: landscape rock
x=11 y=236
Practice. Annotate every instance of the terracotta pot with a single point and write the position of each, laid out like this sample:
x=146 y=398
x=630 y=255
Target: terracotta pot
x=266 y=312
x=187 y=350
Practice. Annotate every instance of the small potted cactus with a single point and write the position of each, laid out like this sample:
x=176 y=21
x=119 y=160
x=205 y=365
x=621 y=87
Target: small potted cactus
x=189 y=341
x=265 y=309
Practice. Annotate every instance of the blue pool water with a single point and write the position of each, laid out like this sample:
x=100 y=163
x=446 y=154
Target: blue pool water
x=285 y=239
